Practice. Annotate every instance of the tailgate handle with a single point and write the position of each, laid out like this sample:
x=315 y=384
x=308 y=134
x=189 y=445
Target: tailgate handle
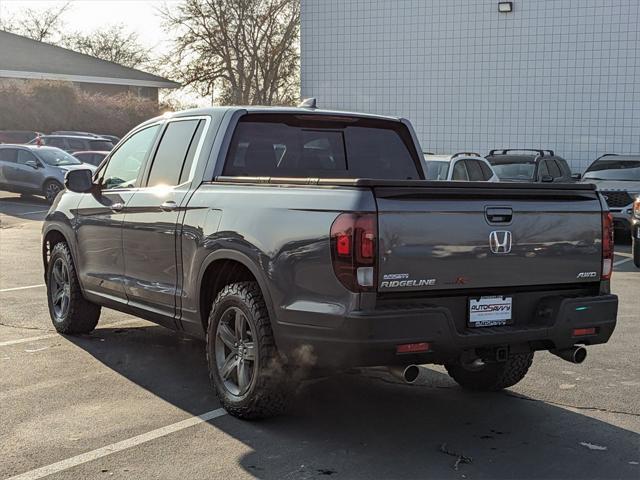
x=498 y=214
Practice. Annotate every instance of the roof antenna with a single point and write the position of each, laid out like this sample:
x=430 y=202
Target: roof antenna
x=308 y=103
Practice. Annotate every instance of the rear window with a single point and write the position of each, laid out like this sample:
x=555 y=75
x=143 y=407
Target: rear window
x=614 y=170
x=323 y=147
x=514 y=171
x=101 y=145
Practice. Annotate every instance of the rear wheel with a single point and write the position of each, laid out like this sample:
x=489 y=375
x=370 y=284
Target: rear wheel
x=51 y=189
x=492 y=376
x=70 y=311
x=244 y=364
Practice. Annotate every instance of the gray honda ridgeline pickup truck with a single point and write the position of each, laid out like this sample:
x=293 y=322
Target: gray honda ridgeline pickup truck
x=297 y=238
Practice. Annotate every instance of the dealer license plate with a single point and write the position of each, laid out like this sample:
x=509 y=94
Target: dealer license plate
x=490 y=311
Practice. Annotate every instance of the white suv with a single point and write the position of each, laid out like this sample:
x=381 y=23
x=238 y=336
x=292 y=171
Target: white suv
x=462 y=166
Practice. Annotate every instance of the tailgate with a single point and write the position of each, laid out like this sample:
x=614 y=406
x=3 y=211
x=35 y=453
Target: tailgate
x=487 y=235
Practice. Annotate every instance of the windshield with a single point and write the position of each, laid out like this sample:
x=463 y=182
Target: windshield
x=514 y=171
x=56 y=157
x=614 y=170
x=436 y=170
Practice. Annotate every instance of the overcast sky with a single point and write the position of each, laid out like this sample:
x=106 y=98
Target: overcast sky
x=86 y=15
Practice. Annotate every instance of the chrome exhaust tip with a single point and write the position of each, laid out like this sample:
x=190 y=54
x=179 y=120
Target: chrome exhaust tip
x=408 y=374
x=576 y=354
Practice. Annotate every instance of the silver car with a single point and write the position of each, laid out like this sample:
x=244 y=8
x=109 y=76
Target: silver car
x=36 y=170
x=618 y=179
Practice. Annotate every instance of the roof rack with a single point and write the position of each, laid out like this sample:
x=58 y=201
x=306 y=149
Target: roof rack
x=503 y=151
x=607 y=155
x=466 y=154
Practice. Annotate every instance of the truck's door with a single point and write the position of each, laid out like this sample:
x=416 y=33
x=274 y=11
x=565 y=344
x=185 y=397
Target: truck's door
x=100 y=215
x=151 y=219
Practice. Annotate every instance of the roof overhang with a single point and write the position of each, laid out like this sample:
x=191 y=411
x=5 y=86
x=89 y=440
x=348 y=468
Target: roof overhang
x=86 y=79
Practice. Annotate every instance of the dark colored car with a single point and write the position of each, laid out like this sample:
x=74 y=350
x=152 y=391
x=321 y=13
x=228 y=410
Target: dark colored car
x=524 y=165
x=94 y=158
x=17 y=136
x=292 y=239
x=618 y=179
x=35 y=170
x=635 y=233
x=72 y=143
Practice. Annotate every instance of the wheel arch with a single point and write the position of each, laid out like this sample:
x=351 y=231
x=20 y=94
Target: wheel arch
x=223 y=267
x=50 y=237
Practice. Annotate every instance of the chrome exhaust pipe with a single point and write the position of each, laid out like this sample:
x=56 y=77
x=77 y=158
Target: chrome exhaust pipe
x=575 y=354
x=408 y=374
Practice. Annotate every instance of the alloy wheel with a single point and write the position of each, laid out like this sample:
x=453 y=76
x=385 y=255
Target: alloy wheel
x=52 y=191
x=236 y=351
x=60 y=289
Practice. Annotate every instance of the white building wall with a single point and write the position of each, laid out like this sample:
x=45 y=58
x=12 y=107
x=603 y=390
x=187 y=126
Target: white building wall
x=560 y=74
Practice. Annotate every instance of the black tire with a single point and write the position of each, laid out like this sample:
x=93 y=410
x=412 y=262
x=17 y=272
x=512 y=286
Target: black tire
x=50 y=190
x=635 y=247
x=493 y=376
x=268 y=391
x=78 y=315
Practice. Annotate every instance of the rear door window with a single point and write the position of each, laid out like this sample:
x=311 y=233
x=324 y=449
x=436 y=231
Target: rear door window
x=460 y=172
x=487 y=173
x=171 y=161
x=8 y=155
x=554 y=170
x=543 y=170
x=323 y=147
x=474 y=171
x=76 y=144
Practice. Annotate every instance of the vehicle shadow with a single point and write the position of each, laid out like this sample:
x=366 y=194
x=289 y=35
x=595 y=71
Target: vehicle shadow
x=368 y=425
x=24 y=207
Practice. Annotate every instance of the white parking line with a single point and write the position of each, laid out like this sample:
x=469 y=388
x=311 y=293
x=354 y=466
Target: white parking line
x=620 y=262
x=118 y=446
x=21 y=288
x=31 y=213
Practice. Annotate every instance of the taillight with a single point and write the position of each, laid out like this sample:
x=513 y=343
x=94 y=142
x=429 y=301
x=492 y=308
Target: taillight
x=353 y=250
x=636 y=208
x=607 y=245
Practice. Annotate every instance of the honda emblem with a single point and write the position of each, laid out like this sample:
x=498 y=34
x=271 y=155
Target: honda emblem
x=500 y=241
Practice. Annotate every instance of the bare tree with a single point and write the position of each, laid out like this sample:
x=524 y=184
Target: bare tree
x=44 y=25
x=244 y=51
x=113 y=43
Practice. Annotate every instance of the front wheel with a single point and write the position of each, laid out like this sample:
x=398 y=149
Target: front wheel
x=51 y=190
x=70 y=312
x=244 y=364
x=493 y=376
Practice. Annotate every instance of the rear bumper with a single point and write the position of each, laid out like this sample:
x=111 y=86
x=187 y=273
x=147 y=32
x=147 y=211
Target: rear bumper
x=371 y=338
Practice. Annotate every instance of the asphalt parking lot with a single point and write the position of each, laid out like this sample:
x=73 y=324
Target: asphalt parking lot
x=132 y=400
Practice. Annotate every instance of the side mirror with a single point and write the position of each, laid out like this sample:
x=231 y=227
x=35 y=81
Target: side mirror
x=33 y=164
x=576 y=176
x=546 y=179
x=79 y=181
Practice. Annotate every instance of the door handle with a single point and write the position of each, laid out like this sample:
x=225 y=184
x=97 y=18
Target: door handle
x=116 y=207
x=169 y=206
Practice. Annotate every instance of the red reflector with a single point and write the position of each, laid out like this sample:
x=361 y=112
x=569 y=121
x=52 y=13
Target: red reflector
x=343 y=244
x=413 y=347
x=579 y=332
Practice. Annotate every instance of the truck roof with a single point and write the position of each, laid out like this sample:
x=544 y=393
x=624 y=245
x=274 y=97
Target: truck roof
x=272 y=110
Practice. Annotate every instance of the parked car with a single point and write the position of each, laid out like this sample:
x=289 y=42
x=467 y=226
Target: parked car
x=36 y=170
x=94 y=158
x=464 y=166
x=297 y=238
x=72 y=143
x=17 y=136
x=618 y=179
x=75 y=133
x=525 y=165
